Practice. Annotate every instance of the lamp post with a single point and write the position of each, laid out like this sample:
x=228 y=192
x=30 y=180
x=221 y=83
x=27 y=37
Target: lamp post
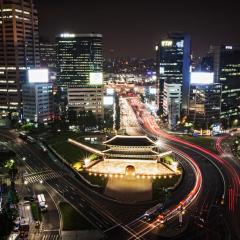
x=181 y=213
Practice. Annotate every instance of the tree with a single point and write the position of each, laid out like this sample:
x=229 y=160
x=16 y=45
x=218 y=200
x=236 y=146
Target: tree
x=117 y=115
x=91 y=120
x=12 y=168
x=72 y=116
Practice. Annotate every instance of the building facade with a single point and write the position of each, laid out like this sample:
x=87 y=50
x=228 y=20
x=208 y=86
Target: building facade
x=173 y=65
x=19 y=50
x=38 y=102
x=205 y=105
x=80 y=71
x=78 y=55
x=172 y=95
x=84 y=98
x=226 y=65
x=48 y=56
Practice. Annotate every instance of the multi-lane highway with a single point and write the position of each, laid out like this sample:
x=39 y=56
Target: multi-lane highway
x=213 y=212
x=217 y=212
x=60 y=180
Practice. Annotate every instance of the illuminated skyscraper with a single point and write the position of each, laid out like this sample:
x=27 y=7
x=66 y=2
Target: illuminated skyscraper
x=78 y=55
x=173 y=65
x=19 y=49
x=80 y=71
x=226 y=66
x=48 y=55
x=204 y=104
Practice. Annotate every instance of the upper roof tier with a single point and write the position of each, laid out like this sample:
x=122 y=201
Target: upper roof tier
x=140 y=141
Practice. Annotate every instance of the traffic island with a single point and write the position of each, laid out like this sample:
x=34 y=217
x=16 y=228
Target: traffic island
x=75 y=226
x=73 y=220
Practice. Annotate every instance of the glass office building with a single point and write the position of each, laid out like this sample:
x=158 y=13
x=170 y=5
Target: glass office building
x=78 y=55
x=173 y=65
x=204 y=104
x=226 y=65
x=80 y=71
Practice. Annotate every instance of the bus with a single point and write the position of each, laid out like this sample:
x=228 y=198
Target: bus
x=42 y=202
x=153 y=212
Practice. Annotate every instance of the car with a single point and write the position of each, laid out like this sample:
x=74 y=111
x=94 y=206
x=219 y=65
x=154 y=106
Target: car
x=29 y=198
x=26 y=202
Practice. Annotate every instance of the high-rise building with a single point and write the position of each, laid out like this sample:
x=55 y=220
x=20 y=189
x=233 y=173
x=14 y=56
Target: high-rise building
x=48 y=57
x=19 y=50
x=80 y=71
x=206 y=64
x=226 y=66
x=78 y=55
x=204 y=104
x=172 y=95
x=37 y=96
x=173 y=65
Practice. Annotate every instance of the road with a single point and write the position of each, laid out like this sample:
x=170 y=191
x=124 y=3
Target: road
x=62 y=182
x=204 y=214
x=218 y=176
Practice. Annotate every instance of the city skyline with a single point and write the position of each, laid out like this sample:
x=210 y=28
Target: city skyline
x=133 y=29
x=111 y=127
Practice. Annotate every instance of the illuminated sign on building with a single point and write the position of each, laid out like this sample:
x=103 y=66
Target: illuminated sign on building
x=96 y=78
x=229 y=47
x=108 y=100
x=110 y=91
x=38 y=76
x=180 y=44
x=152 y=91
x=202 y=78
x=67 y=35
x=166 y=43
x=161 y=70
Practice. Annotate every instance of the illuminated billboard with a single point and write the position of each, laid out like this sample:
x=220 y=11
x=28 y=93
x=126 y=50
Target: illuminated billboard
x=67 y=35
x=38 y=76
x=152 y=90
x=96 y=78
x=201 y=78
x=108 y=100
x=110 y=91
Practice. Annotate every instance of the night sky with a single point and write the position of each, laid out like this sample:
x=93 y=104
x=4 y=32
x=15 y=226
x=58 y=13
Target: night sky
x=132 y=27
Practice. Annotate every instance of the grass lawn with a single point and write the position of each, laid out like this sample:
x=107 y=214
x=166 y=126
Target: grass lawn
x=61 y=137
x=72 y=220
x=70 y=152
x=159 y=185
x=206 y=142
x=36 y=213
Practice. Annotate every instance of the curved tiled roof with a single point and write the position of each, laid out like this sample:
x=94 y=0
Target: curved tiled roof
x=130 y=141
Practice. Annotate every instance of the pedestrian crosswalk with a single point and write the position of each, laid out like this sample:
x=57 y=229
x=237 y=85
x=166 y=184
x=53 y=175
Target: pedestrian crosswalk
x=42 y=177
x=50 y=236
